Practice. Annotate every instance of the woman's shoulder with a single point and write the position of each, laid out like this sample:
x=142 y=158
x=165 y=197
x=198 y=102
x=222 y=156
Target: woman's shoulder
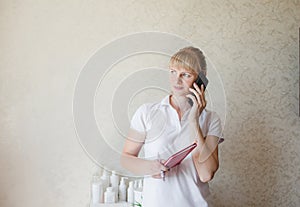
x=212 y=121
x=153 y=105
x=209 y=115
x=147 y=107
x=150 y=106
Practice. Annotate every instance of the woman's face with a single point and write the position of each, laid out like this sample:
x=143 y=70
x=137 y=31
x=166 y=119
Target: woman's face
x=181 y=80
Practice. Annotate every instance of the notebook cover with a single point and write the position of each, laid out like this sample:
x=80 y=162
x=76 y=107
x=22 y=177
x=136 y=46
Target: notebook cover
x=176 y=158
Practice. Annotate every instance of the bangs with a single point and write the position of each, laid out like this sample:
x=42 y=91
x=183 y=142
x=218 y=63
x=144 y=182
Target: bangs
x=185 y=60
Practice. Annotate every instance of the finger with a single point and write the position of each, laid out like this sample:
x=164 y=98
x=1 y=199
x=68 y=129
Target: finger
x=204 y=103
x=202 y=98
x=162 y=166
x=162 y=162
x=202 y=88
x=157 y=176
x=202 y=95
x=196 y=93
x=196 y=86
x=193 y=98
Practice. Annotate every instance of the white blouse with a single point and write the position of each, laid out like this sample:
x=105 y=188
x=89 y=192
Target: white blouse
x=166 y=135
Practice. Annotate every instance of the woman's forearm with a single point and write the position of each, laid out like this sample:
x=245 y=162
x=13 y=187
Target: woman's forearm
x=206 y=169
x=205 y=156
x=139 y=166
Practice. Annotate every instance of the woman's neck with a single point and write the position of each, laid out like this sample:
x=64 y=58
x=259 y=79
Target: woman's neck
x=180 y=104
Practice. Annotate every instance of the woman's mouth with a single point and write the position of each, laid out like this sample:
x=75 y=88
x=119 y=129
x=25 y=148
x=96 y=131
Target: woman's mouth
x=178 y=87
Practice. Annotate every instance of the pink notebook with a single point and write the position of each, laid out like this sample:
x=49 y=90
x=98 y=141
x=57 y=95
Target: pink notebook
x=176 y=158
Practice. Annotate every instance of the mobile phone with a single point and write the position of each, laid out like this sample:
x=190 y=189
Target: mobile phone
x=201 y=80
x=176 y=158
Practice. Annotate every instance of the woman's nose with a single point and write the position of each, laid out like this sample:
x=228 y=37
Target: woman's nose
x=178 y=79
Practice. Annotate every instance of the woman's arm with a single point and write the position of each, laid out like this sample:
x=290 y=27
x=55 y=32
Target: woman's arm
x=205 y=156
x=130 y=160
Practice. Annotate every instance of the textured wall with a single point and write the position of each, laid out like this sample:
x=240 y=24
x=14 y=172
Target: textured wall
x=44 y=45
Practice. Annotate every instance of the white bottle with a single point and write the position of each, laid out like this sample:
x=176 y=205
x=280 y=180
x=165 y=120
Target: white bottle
x=136 y=182
x=138 y=192
x=109 y=195
x=97 y=191
x=114 y=180
x=130 y=193
x=140 y=185
x=105 y=179
x=122 y=190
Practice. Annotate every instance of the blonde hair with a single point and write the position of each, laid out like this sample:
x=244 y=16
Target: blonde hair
x=190 y=58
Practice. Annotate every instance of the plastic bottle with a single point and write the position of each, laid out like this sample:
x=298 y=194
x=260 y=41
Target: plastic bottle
x=105 y=179
x=97 y=191
x=138 y=192
x=130 y=193
x=135 y=186
x=114 y=180
x=140 y=186
x=122 y=190
x=109 y=195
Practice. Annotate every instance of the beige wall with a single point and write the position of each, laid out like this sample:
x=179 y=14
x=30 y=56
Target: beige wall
x=45 y=44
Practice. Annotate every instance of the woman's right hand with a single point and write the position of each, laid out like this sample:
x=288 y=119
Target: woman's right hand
x=131 y=161
x=156 y=167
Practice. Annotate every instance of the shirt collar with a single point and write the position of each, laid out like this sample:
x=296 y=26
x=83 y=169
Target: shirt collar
x=166 y=101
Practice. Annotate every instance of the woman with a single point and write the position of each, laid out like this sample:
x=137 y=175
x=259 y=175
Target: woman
x=166 y=127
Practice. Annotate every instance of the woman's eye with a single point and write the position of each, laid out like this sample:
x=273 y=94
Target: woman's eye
x=172 y=71
x=186 y=75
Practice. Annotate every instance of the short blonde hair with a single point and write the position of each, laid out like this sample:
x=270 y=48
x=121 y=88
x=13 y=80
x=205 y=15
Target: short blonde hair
x=190 y=58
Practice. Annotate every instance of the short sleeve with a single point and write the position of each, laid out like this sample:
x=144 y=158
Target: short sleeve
x=215 y=127
x=138 y=121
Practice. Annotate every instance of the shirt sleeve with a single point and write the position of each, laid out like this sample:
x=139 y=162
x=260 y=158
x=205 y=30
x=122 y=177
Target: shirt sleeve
x=215 y=127
x=138 y=121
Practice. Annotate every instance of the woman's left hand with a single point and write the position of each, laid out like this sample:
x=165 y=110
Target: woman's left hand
x=199 y=102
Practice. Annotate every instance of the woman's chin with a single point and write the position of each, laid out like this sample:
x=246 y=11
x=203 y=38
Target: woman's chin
x=179 y=93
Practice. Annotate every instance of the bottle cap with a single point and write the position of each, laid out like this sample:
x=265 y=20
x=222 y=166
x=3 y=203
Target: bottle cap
x=109 y=189
x=140 y=184
x=122 y=182
x=131 y=184
x=105 y=173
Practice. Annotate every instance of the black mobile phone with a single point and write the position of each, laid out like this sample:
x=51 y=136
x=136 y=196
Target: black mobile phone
x=201 y=80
